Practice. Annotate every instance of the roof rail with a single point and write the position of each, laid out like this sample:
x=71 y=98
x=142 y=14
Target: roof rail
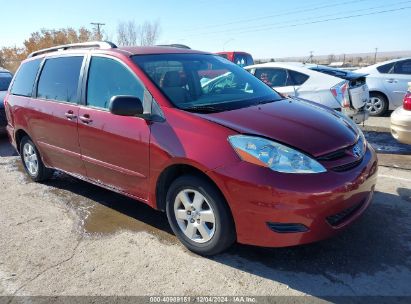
x=83 y=45
x=176 y=45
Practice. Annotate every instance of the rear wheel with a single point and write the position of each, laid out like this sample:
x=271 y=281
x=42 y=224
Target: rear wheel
x=199 y=216
x=377 y=105
x=32 y=161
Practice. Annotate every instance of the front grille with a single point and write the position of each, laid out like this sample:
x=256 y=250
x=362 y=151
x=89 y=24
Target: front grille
x=335 y=155
x=341 y=217
x=3 y=119
x=347 y=167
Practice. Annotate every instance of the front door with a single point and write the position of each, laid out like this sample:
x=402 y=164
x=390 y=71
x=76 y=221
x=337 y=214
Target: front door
x=115 y=149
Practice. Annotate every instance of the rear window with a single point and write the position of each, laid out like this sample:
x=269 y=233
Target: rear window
x=25 y=77
x=329 y=71
x=243 y=60
x=59 y=79
x=5 y=79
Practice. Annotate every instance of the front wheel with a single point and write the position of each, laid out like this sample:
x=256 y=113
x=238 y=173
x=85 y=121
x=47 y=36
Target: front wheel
x=199 y=215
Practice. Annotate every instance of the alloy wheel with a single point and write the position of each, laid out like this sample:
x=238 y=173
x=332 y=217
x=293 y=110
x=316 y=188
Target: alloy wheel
x=194 y=216
x=30 y=159
x=375 y=105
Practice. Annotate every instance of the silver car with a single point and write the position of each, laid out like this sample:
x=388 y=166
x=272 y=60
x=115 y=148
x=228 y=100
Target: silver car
x=387 y=82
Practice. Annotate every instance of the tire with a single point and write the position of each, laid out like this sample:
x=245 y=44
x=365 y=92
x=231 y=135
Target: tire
x=32 y=162
x=377 y=104
x=202 y=204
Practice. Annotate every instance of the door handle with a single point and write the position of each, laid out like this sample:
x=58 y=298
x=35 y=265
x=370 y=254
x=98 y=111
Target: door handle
x=86 y=119
x=392 y=80
x=70 y=115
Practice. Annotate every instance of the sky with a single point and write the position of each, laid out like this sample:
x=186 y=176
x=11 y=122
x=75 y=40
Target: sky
x=265 y=28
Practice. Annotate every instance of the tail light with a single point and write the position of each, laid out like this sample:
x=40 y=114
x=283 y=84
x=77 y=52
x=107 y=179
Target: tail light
x=407 y=101
x=340 y=93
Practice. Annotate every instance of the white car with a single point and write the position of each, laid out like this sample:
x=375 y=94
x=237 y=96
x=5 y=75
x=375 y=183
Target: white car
x=388 y=82
x=341 y=90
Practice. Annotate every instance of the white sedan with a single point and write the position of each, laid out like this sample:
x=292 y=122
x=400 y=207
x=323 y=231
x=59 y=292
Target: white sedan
x=341 y=90
x=388 y=82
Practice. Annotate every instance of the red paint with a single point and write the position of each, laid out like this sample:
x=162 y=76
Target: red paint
x=407 y=101
x=128 y=154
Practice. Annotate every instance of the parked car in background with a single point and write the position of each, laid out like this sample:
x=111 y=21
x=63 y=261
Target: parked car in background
x=343 y=91
x=228 y=163
x=388 y=83
x=5 y=79
x=239 y=58
x=401 y=120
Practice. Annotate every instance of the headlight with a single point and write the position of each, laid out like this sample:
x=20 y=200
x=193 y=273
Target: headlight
x=270 y=154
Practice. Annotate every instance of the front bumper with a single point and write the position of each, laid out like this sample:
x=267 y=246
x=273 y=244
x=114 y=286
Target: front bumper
x=358 y=116
x=401 y=125
x=324 y=203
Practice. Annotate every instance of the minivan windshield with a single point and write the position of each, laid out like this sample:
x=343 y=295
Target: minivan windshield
x=204 y=83
x=5 y=79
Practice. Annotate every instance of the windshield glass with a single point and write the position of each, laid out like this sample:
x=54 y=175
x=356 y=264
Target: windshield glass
x=204 y=83
x=5 y=79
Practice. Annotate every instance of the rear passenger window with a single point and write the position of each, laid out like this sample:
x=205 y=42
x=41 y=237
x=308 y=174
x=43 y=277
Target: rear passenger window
x=386 y=68
x=296 y=78
x=24 y=80
x=403 y=67
x=59 y=79
x=107 y=78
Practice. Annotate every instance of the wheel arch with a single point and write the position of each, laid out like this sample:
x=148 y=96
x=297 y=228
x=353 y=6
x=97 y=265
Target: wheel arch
x=381 y=93
x=171 y=173
x=18 y=135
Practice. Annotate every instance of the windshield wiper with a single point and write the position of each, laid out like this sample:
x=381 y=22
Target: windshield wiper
x=260 y=102
x=202 y=109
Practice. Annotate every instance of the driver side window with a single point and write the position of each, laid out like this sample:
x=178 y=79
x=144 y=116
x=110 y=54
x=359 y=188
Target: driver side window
x=107 y=78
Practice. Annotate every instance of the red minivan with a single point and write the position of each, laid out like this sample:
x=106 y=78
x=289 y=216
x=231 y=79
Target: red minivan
x=226 y=160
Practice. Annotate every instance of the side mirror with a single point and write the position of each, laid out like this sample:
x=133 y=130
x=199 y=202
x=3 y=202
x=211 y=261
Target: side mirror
x=126 y=105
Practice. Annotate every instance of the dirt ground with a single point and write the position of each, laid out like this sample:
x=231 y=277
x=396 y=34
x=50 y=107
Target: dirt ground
x=67 y=237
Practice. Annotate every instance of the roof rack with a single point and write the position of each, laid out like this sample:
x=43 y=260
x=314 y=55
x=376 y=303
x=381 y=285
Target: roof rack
x=176 y=45
x=83 y=45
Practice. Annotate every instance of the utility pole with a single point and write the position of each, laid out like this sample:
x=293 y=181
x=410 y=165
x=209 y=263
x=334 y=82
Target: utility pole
x=98 y=26
x=375 y=55
x=311 y=56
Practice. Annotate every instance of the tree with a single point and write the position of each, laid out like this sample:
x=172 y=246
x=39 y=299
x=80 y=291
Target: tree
x=47 y=38
x=129 y=33
x=331 y=58
x=10 y=57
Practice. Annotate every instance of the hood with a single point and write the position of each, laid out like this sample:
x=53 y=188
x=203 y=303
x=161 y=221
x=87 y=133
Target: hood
x=2 y=96
x=304 y=125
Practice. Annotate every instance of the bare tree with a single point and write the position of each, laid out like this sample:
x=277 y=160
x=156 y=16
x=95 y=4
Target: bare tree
x=149 y=33
x=129 y=33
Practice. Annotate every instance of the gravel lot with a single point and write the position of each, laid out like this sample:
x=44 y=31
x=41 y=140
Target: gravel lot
x=67 y=237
